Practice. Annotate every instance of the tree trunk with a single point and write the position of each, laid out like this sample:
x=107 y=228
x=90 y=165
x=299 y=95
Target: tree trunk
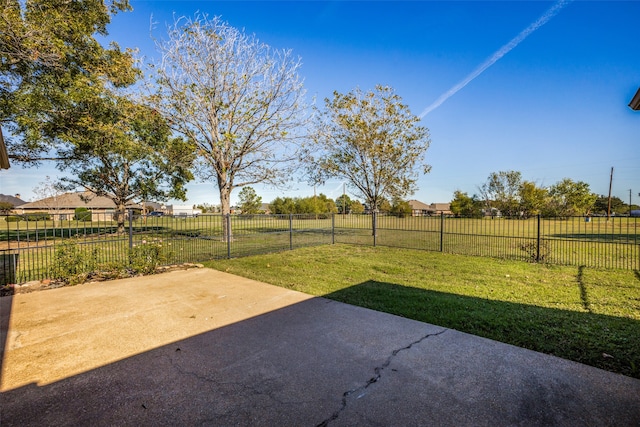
x=225 y=204
x=118 y=216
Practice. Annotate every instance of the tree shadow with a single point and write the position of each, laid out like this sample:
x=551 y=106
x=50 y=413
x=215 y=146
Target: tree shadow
x=583 y=289
x=575 y=335
x=599 y=237
x=303 y=363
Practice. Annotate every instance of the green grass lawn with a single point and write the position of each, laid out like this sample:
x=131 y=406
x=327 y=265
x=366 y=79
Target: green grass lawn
x=587 y=315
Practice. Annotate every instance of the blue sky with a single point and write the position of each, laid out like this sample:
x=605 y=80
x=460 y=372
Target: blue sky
x=554 y=106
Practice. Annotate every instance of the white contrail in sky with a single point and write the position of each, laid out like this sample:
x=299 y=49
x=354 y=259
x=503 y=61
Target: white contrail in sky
x=553 y=11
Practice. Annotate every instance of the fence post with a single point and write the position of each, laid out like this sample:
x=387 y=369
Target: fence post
x=130 y=211
x=441 y=231
x=538 y=241
x=374 y=223
x=228 y=236
x=333 y=228
x=290 y=231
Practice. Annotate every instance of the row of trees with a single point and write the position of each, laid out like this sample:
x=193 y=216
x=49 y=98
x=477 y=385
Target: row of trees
x=507 y=193
x=250 y=204
x=219 y=105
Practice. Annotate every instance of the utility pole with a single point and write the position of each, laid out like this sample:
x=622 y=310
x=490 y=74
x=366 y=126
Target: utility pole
x=629 y=202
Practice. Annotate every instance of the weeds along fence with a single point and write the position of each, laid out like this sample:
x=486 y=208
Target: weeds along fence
x=31 y=247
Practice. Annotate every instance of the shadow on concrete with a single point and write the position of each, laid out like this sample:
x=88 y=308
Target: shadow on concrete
x=6 y=303
x=319 y=362
x=577 y=334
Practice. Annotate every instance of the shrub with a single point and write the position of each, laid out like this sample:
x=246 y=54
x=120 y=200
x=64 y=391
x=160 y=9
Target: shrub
x=146 y=257
x=531 y=249
x=82 y=214
x=37 y=216
x=72 y=264
x=13 y=218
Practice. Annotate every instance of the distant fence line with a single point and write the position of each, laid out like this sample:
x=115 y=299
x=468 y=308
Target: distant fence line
x=28 y=247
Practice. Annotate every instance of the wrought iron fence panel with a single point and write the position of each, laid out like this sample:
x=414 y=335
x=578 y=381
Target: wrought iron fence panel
x=32 y=247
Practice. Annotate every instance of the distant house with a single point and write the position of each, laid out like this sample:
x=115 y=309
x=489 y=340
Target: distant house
x=14 y=200
x=440 y=208
x=154 y=207
x=266 y=208
x=418 y=208
x=422 y=209
x=63 y=206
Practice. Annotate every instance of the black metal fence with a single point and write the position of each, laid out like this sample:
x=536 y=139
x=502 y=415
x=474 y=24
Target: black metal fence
x=30 y=246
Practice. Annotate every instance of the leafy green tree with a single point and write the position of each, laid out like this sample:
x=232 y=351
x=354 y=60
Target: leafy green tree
x=601 y=205
x=125 y=152
x=568 y=198
x=343 y=204
x=325 y=204
x=250 y=202
x=532 y=199
x=308 y=205
x=372 y=141
x=5 y=207
x=384 y=205
x=283 y=205
x=356 y=207
x=501 y=191
x=207 y=208
x=52 y=71
x=237 y=99
x=463 y=205
x=319 y=204
x=400 y=208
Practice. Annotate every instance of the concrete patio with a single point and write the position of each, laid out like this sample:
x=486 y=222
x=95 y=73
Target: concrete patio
x=202 y=347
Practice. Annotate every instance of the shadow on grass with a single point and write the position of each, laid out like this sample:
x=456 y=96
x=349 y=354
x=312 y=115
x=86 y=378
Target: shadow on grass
x=583 y=290
x=598 y=237
x=606 y=342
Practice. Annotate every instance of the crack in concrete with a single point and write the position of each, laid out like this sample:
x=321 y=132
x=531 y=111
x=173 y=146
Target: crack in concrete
x=378 y=374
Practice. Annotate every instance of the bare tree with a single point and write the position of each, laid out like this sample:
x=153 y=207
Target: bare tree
x=237 y=99
x=49 y=191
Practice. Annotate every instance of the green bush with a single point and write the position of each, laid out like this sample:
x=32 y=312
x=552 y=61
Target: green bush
x=72 y=263
x=145 y=258
x=82 y=214
x=37 y=216
x=13 y=218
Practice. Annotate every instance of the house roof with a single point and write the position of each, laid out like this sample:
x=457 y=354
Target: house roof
x=15 y=201
x=440 y=206
x=74 y=200
x=418 y=206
